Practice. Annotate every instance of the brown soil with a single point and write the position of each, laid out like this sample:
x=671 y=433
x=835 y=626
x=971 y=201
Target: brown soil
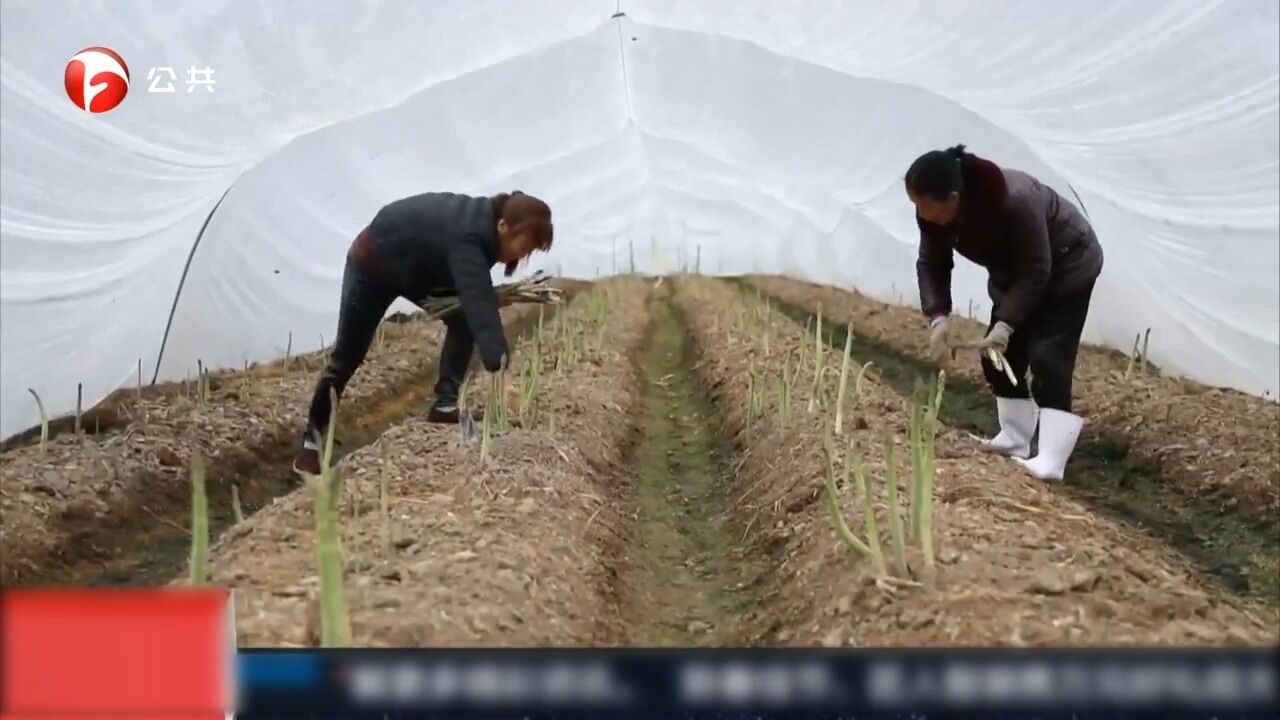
x=1017 y=563
x=1217 y=442
x=519 y=552
x=73 y=512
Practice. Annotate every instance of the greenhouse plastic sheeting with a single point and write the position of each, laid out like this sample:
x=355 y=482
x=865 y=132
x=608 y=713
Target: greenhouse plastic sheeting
x=772 y=135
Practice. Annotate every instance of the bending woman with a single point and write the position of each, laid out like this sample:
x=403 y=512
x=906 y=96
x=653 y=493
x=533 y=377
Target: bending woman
x=1042 y=258
x=419 y=246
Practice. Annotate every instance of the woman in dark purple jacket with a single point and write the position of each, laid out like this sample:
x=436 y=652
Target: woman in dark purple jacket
x=1042 y=258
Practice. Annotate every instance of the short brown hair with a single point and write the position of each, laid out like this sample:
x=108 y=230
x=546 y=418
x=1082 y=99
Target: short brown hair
x=525 y=212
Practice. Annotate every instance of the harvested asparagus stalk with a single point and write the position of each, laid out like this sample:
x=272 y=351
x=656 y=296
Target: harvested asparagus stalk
x=537 y=289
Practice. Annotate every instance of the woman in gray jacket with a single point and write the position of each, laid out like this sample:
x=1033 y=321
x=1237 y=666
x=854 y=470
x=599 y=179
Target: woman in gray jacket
x=429 y=244
x=1042 y=258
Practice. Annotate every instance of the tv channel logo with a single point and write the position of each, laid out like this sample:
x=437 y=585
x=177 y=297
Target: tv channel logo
x=97 y=79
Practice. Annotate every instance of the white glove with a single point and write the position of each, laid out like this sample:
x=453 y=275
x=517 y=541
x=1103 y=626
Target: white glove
x=998 y=337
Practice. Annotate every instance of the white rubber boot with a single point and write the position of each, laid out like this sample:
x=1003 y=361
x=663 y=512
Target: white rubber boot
x=1059 y=431
x=1017 y=426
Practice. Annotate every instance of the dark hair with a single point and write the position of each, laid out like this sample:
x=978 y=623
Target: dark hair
x=938 y=173
x=523 y=212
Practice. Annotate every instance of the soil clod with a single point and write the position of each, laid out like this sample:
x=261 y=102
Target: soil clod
x=1049 y=581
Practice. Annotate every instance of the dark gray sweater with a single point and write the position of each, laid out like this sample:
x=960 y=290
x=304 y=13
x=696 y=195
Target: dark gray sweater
x=444 y=244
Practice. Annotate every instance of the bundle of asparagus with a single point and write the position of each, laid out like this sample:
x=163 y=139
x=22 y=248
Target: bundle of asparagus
x=535 y=289
x=996 y=357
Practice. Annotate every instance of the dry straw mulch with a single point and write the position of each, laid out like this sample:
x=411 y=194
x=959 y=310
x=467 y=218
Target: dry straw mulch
x=73 y=505
x=517 y=552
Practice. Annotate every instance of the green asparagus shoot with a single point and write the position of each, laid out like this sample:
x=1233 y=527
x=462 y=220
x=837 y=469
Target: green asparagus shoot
x=199 y=522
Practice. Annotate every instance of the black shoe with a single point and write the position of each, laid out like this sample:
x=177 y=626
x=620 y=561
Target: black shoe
x=307 y=460
x=448 y=413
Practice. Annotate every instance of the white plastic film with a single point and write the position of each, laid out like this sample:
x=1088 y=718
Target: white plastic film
x=755 y=136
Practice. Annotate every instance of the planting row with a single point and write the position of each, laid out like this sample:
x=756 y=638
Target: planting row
x=956 y=547
x=1212 y=442
x=73 y=503
x=453 y=535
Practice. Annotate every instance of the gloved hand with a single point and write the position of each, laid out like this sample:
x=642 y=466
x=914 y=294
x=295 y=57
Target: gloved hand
x=997 y=338
x=939 y=338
